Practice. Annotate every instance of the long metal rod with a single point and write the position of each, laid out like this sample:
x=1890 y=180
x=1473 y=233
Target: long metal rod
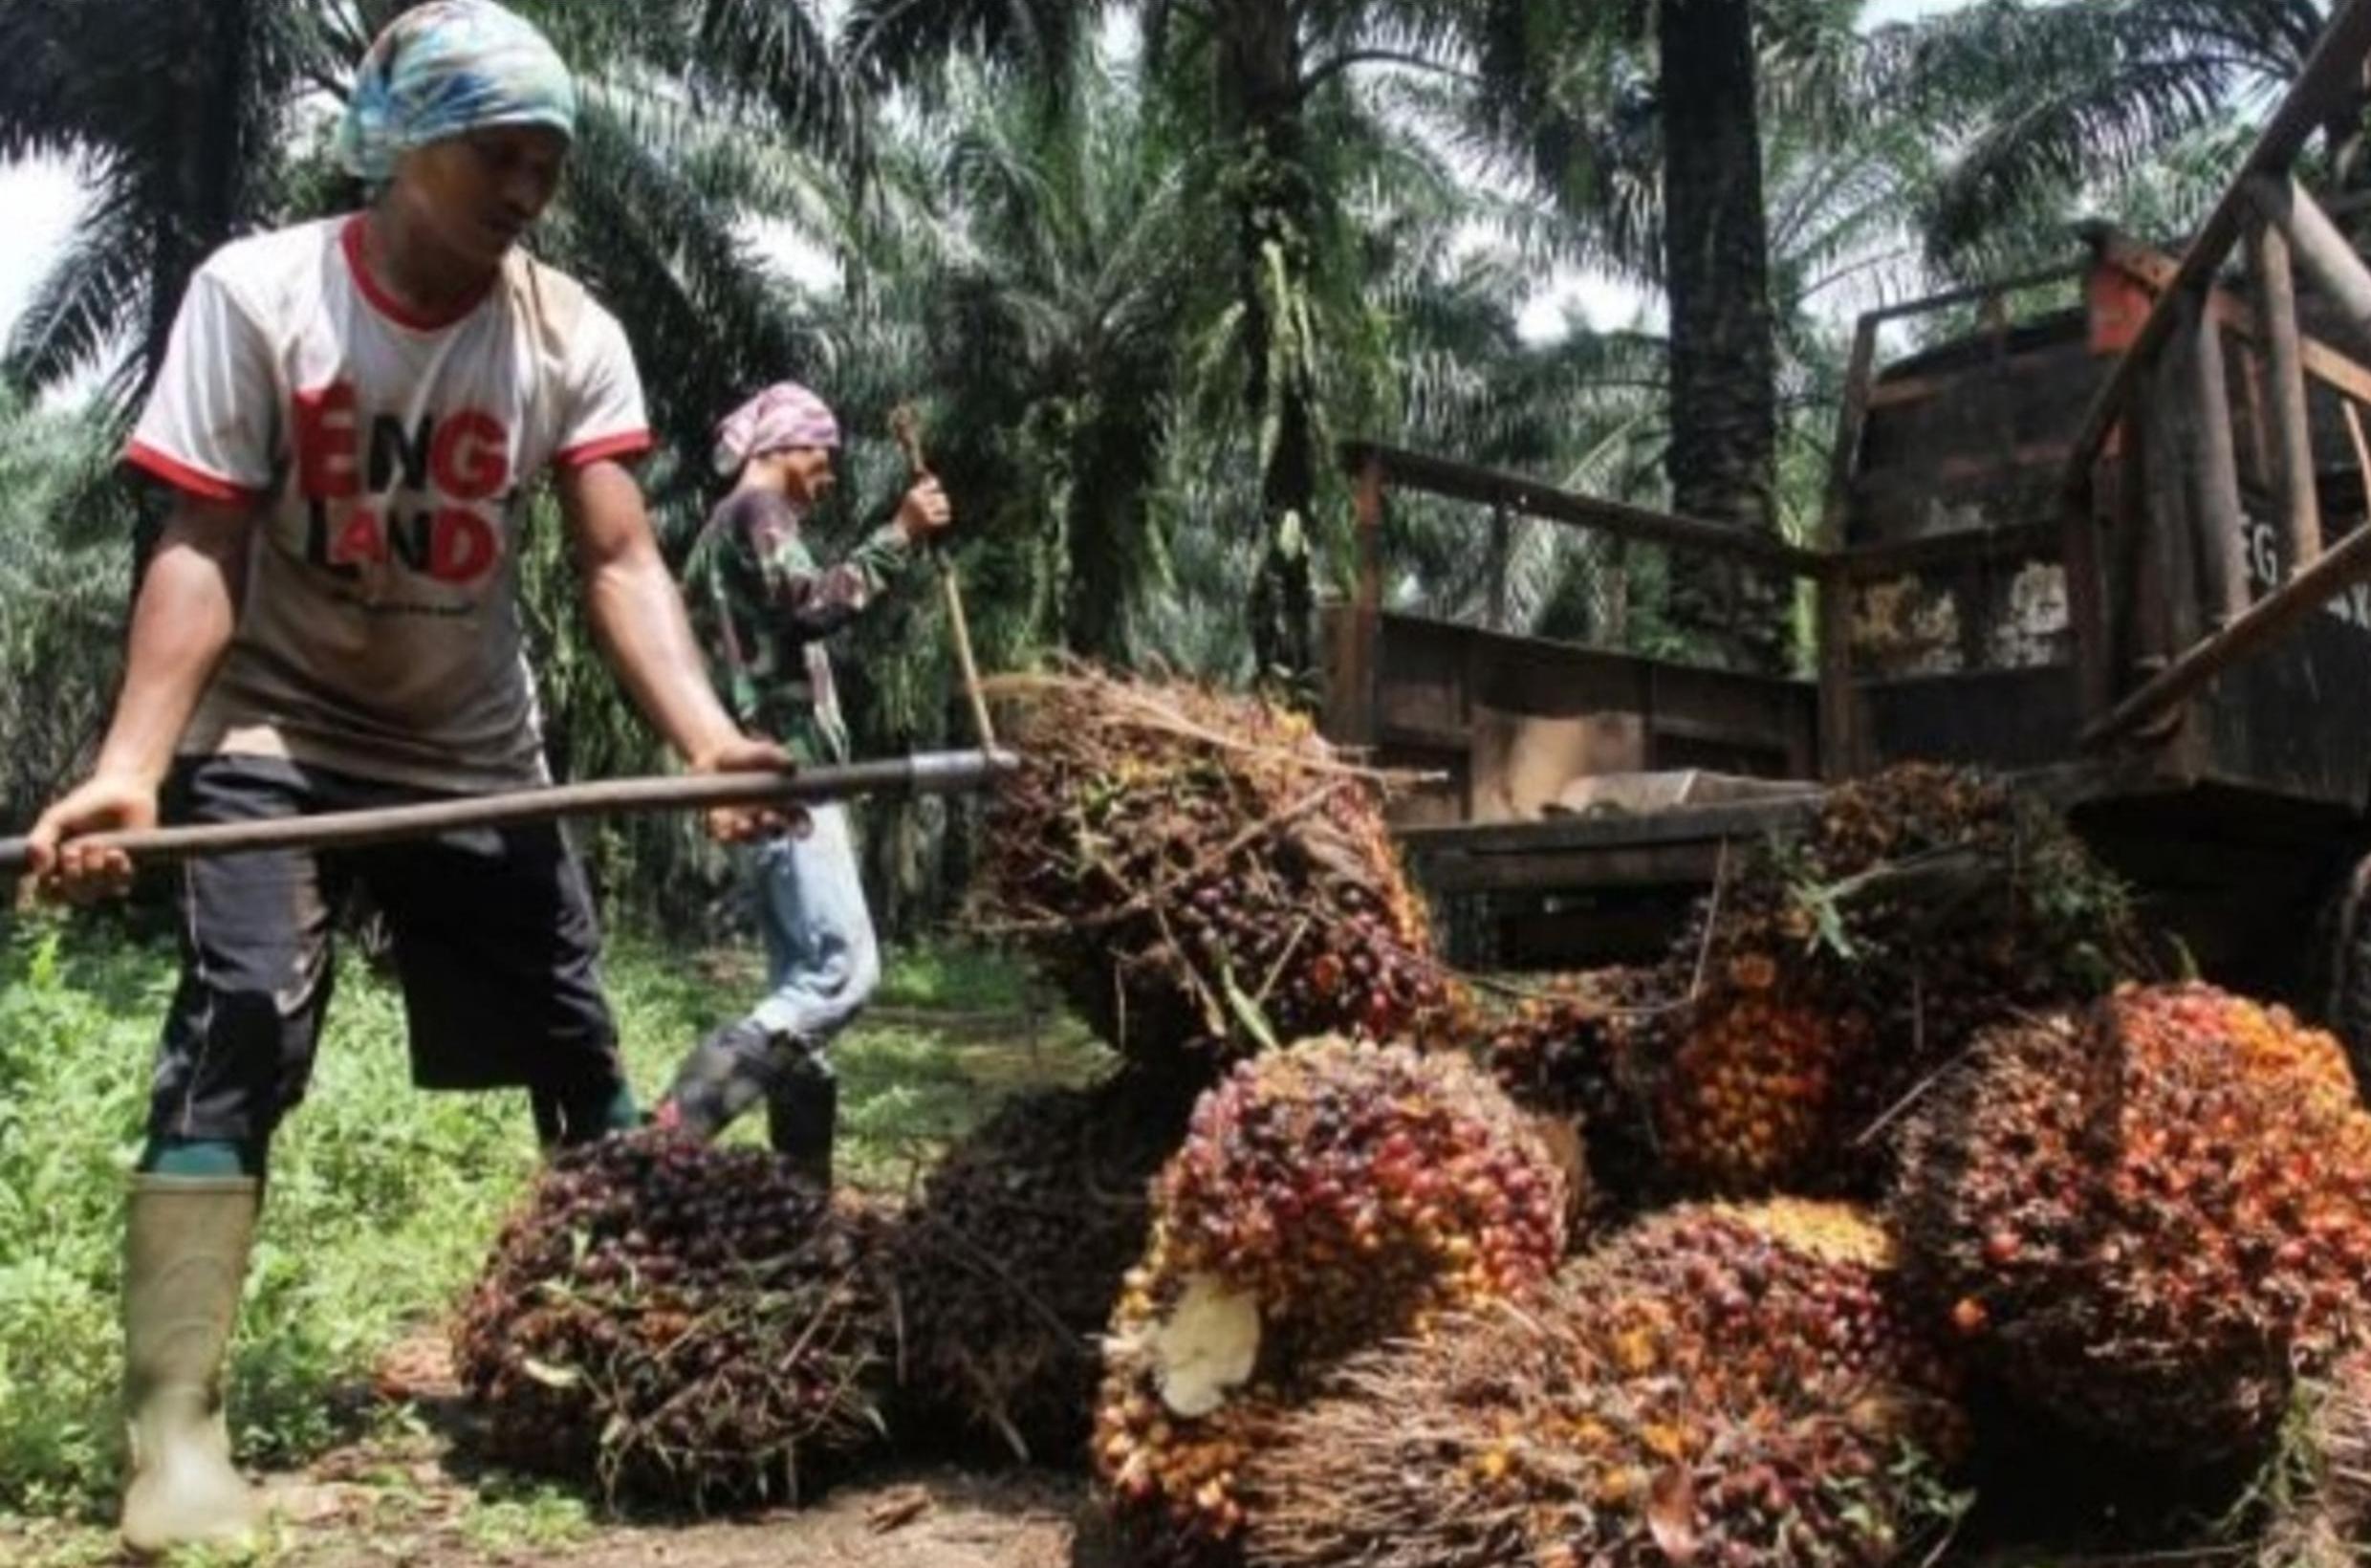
x=926 y=773
x=2339 y=568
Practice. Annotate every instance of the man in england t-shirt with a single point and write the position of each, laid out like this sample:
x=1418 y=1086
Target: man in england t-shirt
x=350 y=415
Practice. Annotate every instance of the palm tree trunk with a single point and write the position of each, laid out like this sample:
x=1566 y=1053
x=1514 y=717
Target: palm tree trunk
x=1276 y=215
x=208 y=91
x=1723 y=457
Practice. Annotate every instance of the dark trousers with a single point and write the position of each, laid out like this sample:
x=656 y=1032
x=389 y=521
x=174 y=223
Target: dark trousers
x=495 y=946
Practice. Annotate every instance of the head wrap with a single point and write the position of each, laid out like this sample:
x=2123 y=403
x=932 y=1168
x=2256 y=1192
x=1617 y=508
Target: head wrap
x=783 y=416
x=442 y=69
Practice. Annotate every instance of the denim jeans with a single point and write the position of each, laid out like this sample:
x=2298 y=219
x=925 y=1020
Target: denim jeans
x=822 y=963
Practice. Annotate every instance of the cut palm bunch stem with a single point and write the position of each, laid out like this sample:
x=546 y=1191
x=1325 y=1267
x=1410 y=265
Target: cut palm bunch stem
x=2316 y=1493
x=1731 y=1385
x=1200 y=873
x=1328 y=1197
x=928 y=772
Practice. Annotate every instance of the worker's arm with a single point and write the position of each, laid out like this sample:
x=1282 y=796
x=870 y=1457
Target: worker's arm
x=188 y=607
x=638 y=618
x=818 y=602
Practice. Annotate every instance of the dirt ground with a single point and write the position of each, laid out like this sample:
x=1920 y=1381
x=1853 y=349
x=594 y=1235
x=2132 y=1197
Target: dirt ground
x=413 y=1495
x=941 y=1519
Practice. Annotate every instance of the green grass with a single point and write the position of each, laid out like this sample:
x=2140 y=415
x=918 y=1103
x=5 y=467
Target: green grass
x=382 y=1198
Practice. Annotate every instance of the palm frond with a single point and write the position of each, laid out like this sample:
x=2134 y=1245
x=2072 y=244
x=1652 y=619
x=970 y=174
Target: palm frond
x=92 y=297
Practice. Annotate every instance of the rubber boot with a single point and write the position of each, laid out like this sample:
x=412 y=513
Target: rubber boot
x=802 y=1113
x=723 y=1076
x=184 y=1260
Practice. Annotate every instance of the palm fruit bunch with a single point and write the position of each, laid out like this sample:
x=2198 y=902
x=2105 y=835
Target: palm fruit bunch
x=2320 y=1484
x=1844 y=963
x=1200 y=873
x=1327 y=1197
x=679 y=1322
x=1010 y=1258
x=1749 y=1098
x=1718 y=1384
x=2144 y=1216
x=1570 y=1051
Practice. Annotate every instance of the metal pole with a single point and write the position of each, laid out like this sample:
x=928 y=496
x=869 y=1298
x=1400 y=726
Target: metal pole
x=927 y=772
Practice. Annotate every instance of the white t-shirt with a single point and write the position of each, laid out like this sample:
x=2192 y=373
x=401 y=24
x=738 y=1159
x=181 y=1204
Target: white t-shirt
x=389 y=456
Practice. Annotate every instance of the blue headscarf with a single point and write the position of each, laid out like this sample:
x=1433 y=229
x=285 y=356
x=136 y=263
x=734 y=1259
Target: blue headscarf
x=443 y=69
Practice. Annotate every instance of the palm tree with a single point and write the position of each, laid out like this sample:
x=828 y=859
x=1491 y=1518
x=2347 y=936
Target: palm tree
x=1646 y=122
x=2043 y=108
x=1254 y=72
x=59 y=596
x=182 y=114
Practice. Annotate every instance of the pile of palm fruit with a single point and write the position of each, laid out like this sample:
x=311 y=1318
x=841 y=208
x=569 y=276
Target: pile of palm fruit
x=1327 y=1198
x=2146 y=1218
x=1297 y=1275
x=1725 y=1386
x=1823 y=982
x=684 y=1323
x=1200 y=873
x=1576 y=1052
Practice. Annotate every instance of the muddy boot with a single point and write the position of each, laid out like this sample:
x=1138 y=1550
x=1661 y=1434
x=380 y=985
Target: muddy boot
x=723 y=1076
x=802 y=1112
x=184 y=1260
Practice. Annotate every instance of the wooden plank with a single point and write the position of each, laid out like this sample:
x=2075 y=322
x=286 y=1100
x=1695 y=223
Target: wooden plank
x=2333 y=71
x=2339 y=568
x=1545 y=871
x=2291 y=467
x=1839 y=751
x=1851 y=425
x=1679 y=824
x=1970 y=294
x=2214 y=477
x=2320 y=249
x=1469 y=482
x=1896 y=391
x=2086 y=605
x=1961 y=547
x=1501 y=545
x=2170 y=500
x=2363 y=447
x=2144 y=643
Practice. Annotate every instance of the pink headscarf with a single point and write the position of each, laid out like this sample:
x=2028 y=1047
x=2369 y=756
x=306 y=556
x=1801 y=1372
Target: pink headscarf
x=783 y=416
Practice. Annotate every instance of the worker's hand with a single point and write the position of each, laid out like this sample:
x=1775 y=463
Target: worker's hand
x=924 y=514
x=739 y=825
x=84 y=874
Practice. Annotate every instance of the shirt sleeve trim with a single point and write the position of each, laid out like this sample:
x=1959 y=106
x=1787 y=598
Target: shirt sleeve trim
x=624 y=444
x=187 y=477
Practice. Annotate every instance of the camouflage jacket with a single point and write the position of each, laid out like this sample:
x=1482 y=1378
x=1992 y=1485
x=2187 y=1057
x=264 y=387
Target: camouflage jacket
x=763 y=606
